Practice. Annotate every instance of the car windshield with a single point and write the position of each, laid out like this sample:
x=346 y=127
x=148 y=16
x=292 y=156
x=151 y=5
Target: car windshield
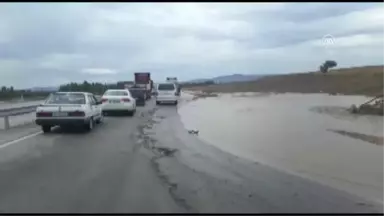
x=166 y=87
x=66 y=98
x=116 y=93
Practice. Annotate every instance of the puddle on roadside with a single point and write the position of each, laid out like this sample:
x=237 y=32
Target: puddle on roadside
x=291 y=132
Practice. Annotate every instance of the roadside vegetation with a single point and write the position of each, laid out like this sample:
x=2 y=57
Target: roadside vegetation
x=94 y=87
x=9 y=93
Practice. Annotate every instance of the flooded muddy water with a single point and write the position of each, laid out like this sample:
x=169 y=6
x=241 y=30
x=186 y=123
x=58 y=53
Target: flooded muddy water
x=298 y=133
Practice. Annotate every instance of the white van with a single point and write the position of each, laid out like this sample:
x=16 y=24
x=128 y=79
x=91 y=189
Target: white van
x=167 y=93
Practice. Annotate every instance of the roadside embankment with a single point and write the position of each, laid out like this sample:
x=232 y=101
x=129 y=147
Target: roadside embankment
x=367 y=80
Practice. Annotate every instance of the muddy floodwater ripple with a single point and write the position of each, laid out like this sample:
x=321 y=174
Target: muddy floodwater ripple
x=297 y=133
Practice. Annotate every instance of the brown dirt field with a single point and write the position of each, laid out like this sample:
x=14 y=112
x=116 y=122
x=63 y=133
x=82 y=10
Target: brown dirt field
x=367 y=80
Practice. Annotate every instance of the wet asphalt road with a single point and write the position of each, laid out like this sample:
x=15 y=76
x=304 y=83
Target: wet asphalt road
x=150 y=163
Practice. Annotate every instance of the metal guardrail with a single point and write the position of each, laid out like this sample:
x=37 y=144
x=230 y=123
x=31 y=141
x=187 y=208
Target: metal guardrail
x=17 y=110
x=6 y=113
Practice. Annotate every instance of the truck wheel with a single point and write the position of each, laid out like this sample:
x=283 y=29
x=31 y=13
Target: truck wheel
x=46 y=128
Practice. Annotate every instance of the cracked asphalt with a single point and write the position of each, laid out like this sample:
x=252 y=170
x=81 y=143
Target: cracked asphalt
x=150 y=164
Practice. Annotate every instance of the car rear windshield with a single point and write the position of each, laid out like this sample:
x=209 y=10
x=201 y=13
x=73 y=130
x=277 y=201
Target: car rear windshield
x=66 y=98
x=116 y=93
x=166 y=87
x=137 y=92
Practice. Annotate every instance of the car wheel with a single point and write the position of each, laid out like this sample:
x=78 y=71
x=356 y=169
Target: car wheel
x=89 y=125
x=101 y=119
x=46 y=128
x=131 y=113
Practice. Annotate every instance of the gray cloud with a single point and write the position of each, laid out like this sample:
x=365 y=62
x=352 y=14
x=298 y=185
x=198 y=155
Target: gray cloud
x=315 y=11
x=38 y=29
x=52 y=43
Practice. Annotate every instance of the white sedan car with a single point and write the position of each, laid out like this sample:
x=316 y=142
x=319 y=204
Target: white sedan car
x=69 y=109
x=118 y=100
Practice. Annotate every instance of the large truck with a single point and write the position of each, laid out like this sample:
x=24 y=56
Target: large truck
x=174 y=80
x=143 y=80
x=137 y=92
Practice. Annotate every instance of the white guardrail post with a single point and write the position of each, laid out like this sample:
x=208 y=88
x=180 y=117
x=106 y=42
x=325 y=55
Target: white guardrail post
x=6 y=122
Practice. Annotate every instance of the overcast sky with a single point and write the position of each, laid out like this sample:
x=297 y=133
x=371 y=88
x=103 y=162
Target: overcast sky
x=47 y=44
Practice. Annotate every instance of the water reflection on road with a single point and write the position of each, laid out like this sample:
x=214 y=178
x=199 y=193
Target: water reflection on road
x=294 y=132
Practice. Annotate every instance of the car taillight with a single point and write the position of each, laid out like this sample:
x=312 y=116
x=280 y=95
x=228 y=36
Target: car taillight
x=125 y=100
x=76 y=113
x=43 y=114
x=104 y=100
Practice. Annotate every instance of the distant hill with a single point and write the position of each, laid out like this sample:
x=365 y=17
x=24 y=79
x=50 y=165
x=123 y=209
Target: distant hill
x=196 y=81
x=230 y=78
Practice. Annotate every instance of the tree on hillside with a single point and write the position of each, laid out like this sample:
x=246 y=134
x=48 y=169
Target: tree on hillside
x=327 y=65
x=96 y=88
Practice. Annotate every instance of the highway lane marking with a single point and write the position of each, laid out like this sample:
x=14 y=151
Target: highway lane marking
x=20 y=139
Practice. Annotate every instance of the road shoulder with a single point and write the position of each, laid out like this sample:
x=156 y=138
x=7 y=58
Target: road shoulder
x=16 y=133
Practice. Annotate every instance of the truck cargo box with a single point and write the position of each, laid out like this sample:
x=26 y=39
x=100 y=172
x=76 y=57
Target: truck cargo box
x=142 y=78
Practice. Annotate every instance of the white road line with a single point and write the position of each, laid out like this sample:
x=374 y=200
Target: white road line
x=20 y=139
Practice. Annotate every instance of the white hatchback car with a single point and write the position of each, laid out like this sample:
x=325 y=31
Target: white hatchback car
x=118 y=100
x=167 y=93
x=69 y=109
